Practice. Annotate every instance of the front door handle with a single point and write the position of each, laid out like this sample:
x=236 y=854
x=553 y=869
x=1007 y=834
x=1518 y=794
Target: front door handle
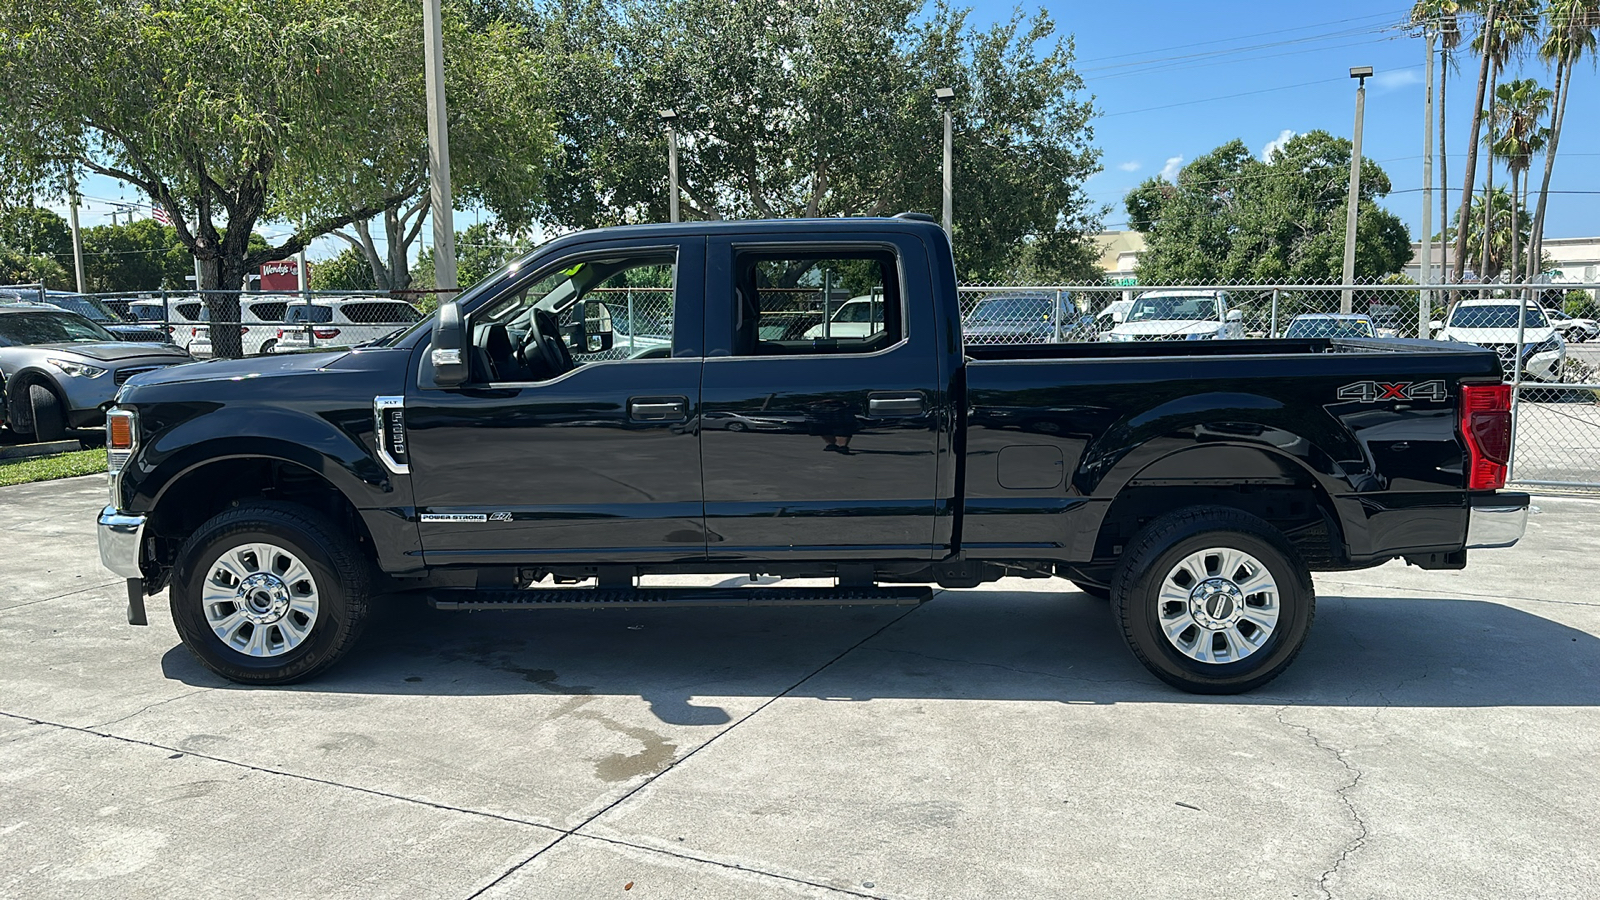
x=658 y=409
x=895 y=404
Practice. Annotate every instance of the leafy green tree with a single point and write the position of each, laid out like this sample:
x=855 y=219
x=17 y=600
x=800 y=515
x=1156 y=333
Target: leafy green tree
x=806 y=109
x=20 y=267
x=36 y=231
x=1234 y=218
x=1573 y=31
x=140 y=256
x=1517 y=133
x=480 y=250
x=213 y=108
x=349 y=271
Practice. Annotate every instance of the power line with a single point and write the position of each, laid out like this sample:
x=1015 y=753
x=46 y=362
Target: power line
x=1387 y=15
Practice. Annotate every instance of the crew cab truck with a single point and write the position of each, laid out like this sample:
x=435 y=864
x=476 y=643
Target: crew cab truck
x=493 y=456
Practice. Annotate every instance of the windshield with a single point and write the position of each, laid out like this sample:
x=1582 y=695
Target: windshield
x=88 y=307
x=1171 y=308
x=1329 y=328
x=1500 y=316
x=50 y=328
x=1012 y=309
x=860 y=311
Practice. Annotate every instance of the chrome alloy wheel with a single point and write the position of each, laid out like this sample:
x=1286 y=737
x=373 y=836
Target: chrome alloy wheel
x=1218 y=605
x=260 y=599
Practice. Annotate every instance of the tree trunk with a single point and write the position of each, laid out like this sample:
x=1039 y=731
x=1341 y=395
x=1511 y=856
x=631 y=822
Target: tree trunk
x=1515 y=229
x=1459 y=268
x=1536 y=235
x=223 y=277
x=1444 y=173
x=1488 y=181
x=399 y=268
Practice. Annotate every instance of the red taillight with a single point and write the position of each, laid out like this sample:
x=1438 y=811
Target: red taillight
x=323 y=334
x=280 y=334
x=1486 y=428
x=243 y=330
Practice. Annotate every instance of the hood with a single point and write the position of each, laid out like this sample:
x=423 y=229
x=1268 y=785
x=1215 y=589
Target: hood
x=1171 y=326
x=1494 y=335
x=271 y=366
x=120 y=351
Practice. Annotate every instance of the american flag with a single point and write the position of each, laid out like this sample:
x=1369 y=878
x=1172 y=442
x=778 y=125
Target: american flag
x=160 y=214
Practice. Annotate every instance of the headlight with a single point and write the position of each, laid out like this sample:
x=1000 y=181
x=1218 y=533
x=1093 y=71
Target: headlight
x=1550 y=344
x=1118 y=338
x=1203 y=335
x=77 y=369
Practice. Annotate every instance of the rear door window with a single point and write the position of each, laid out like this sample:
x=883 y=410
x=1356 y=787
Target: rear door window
x=300 y=315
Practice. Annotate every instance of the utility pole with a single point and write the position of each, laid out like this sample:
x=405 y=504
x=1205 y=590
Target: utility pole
x=77 y=236
x=444 y=227
x=946 y=96
x=1424 y=296
x=670 y=116
x=1346 y=299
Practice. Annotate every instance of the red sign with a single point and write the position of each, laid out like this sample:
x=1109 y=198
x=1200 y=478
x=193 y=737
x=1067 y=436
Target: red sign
x=281 y=275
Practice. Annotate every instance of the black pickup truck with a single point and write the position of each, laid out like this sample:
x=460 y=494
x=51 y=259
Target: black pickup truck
x=507 y=453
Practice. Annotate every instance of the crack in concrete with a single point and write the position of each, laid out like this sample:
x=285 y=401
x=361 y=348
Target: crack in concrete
x=150 y=707
x=92 y=587
x=1434 y=594
x=1343 y=794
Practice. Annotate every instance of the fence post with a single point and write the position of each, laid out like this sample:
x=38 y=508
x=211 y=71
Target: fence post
x=1059 y=313
x=632 y=331
x=1274 y=313
x=827 y=300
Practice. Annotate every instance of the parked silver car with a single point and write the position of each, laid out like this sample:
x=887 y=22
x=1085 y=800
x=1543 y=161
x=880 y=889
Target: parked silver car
x=62 y=371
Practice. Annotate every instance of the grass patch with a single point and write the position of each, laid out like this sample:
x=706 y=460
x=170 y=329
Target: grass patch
x=49 y=468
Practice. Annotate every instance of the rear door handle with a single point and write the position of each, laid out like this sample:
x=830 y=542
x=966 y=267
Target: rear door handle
x=884 y=404
x=658 y=409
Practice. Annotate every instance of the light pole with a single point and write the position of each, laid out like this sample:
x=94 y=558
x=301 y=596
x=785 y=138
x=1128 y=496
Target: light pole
x=946 y=96
x=77 y=235
x=1361 y=74
x=444 y=228
x=1424 y=296
x=670 y=116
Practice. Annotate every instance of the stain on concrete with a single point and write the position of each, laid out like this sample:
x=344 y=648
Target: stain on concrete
x=656 y=755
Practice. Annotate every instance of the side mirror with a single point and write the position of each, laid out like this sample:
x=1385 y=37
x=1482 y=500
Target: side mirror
x=449 y=355
x=1235 y=315
x=590 y=330
x=1435 y=325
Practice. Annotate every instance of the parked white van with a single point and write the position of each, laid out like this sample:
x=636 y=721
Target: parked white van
x=342 y=321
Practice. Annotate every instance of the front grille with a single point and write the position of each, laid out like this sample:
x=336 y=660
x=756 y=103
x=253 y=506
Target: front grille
x=123 y=375
x=1180 y=336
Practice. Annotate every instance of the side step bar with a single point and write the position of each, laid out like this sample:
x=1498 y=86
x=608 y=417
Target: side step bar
x=598 y=598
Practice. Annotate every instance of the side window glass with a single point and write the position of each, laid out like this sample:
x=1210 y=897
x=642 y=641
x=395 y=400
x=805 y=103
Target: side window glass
x=801 y=304
x=521 y=337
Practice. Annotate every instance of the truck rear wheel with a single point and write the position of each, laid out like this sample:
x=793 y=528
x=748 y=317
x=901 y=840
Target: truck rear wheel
x=1213 y=600
x=269 y=593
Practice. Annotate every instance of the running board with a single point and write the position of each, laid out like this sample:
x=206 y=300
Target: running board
x=597 y=598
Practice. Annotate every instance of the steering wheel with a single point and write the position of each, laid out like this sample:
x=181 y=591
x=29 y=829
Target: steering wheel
x=542 y=347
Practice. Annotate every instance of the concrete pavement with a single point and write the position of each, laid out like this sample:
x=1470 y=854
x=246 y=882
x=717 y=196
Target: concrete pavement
x=1434 y=739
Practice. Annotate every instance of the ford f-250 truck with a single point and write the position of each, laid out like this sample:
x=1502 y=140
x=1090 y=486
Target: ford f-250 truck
x=499 y=455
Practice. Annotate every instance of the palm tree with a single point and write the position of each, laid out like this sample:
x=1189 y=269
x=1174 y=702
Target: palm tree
x=1516 y=132
x=1504 y=219
x=1441 y=18
x=1574 y=29
x=1491 y=15
x=1500 y=41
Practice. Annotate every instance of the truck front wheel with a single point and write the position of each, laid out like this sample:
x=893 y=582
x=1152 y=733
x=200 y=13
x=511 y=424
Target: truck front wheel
x=269 y=593
x=1213 y=600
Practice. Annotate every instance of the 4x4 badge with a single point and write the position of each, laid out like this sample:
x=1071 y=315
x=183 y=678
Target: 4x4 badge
x=1378 y=391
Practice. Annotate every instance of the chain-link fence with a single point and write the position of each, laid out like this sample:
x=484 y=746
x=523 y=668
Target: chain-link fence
x=1550 y=352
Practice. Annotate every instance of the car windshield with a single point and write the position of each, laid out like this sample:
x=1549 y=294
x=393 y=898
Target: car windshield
x=1174 y=308
x=1012 y=309
x=1330 y=328
x=1498 y=316
x=860 y=311
x=19 y=329
x=88 y=307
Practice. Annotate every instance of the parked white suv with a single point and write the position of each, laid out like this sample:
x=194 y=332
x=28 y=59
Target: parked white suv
x=342 y=321
x=1179 y=315
x=1493 y=324
x=259 y=321
x=181 y=315
x=858 y=317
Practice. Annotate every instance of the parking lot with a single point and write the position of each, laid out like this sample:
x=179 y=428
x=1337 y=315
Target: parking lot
x=1435 y=739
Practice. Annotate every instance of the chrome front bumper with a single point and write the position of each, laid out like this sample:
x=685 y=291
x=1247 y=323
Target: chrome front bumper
x=1496 y=521
x=121 y=537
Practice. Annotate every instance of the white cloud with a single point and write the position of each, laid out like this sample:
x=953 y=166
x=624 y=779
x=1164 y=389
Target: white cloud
x=1276 y=144
x=1395 y=79
x=1170 y=170
x=1131 y=165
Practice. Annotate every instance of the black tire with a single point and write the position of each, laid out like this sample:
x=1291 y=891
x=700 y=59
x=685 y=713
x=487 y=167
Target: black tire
x=269 y=347
x=1157 y=550
x=341 y=576
x=1097 y=591
x=49 y=419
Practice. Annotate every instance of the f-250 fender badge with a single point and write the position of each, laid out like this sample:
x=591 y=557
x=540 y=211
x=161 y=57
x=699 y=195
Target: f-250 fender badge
x=1378 y=391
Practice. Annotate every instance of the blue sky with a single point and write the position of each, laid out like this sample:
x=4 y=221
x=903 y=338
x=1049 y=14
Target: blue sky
x=1173 y=80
